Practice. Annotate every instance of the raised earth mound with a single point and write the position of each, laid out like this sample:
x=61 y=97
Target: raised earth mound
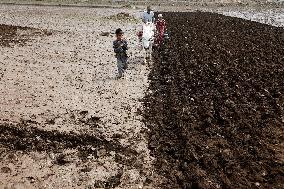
x=215 y=103
x=11 y=35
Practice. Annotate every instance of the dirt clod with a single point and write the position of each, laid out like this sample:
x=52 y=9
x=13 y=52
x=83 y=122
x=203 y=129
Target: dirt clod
x=6 y=170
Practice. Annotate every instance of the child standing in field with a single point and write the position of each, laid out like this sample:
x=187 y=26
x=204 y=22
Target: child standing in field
x=120 y=49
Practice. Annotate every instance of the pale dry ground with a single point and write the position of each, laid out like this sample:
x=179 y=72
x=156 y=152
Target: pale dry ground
x=58 y=76
x=271 y=17
x=264 y=14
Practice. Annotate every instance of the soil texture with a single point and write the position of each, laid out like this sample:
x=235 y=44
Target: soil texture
x=215 y=102
x=12 y=35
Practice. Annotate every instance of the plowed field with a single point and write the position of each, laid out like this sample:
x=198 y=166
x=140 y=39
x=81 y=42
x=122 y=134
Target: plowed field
x=215 y=103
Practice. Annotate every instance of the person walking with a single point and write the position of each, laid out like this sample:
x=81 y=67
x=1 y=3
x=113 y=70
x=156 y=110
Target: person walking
x=120 y=49
x=161 y=29
x=148 y=15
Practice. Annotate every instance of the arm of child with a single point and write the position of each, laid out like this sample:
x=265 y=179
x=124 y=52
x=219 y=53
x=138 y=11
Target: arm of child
x=117 y=47
x=125 y=45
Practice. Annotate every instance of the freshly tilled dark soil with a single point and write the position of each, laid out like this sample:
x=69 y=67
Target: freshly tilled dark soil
x=215 y=103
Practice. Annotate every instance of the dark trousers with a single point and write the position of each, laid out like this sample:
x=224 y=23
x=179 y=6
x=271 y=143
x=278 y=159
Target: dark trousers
x=121 y=65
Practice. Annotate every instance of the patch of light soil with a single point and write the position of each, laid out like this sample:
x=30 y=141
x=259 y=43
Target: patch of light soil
x=58 y=76
x=271 y=17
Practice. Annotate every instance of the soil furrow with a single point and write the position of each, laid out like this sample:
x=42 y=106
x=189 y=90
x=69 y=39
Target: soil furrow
x=215 y=103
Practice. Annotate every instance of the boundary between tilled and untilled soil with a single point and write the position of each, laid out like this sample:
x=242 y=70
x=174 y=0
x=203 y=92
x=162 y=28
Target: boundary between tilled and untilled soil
x=215 y=102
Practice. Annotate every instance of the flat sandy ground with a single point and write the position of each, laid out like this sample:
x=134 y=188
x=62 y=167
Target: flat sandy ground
x=57 y=81
x=59 y=76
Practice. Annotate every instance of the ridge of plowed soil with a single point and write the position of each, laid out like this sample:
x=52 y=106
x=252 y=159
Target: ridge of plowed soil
x=215 y=102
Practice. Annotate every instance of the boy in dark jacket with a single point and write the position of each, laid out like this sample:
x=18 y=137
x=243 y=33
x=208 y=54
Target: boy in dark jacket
x=120 y=48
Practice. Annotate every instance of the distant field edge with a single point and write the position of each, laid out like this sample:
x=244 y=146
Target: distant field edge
x=131 y=4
